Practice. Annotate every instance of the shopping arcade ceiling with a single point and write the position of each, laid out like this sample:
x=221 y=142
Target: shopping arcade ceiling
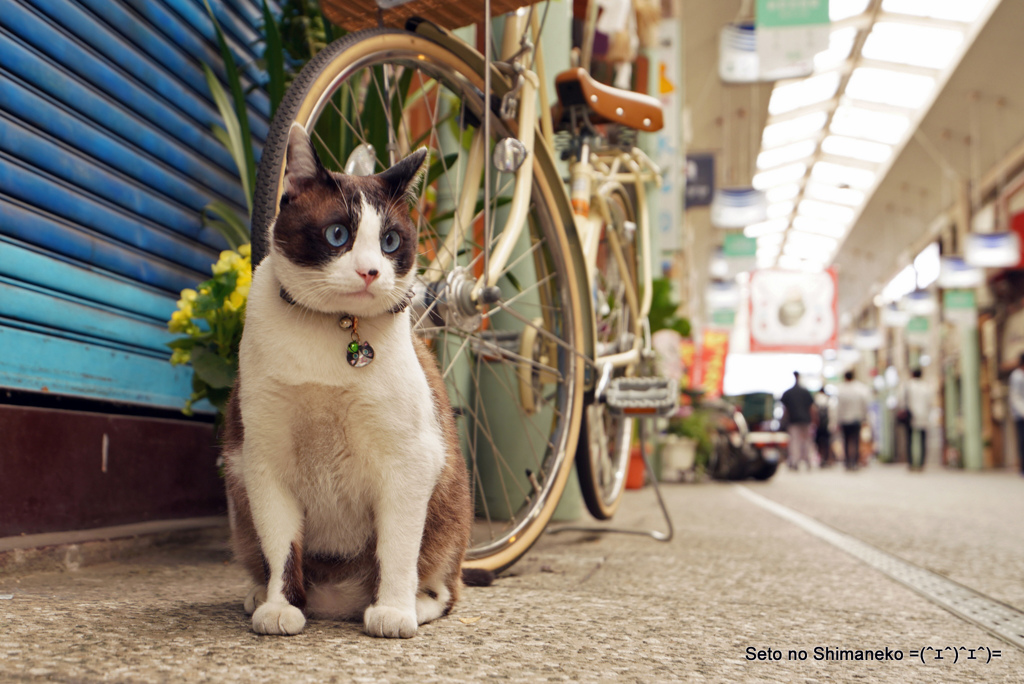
x=902 y=188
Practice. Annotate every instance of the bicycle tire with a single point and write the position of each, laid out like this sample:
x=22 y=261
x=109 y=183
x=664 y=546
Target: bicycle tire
x=602 y=452
x=548 y=254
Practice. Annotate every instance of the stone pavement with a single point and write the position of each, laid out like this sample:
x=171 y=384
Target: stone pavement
x=582 y=606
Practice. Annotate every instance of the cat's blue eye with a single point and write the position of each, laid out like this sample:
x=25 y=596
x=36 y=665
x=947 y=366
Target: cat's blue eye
x=390 y=241
x=336 y=234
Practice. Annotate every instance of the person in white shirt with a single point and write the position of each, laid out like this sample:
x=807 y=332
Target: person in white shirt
x=852 y=401
x=918 y=402
x=1017 y=408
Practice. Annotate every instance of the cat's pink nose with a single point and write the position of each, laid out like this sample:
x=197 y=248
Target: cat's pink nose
x=369 y=276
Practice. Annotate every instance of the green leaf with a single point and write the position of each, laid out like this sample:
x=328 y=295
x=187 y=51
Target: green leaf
x=274 y=55
x=233 y=227
x=213 y=369
x=439 y=166
x=183 y=343
x=231 y=135
x=248 y=167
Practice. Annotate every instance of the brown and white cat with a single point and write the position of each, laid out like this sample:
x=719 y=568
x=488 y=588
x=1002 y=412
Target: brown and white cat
x=347 y=491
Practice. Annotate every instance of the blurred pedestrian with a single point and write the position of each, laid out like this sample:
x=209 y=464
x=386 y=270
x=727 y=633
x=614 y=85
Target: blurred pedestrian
x=799 y=403
x=1017 y=408
x=917 y=401
x=823 y=428
x=852 y=401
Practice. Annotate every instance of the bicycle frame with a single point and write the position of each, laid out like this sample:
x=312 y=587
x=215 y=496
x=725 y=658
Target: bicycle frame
x=602 y=172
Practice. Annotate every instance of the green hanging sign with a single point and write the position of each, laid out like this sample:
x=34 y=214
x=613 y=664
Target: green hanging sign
x=780 y=13
x=958 y=299
x=723 y=318
x=737 y=245
x=917 y=324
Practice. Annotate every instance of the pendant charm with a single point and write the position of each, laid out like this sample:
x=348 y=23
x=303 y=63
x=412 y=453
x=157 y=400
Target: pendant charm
x=359 y=354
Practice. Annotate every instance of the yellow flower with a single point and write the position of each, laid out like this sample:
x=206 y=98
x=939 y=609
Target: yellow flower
x=180 y=356
x=228 y=260
x=180 y=321
x=237 y=299
x=245 y=250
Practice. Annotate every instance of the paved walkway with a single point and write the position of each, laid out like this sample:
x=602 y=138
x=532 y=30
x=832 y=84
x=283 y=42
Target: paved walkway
x=585 y=607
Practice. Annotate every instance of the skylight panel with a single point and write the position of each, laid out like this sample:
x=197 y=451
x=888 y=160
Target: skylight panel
x=858 y=122
x=769 y=227
x=837 y=174
x=951 y=10
x=780 y=209
x=890 y=87
x=810 y=244
x=831 y=193
x=773 y=239
x=787 y=154
x=840 y=45
x=924 y=46
x=803 y=93
x=807 y=224
x=844 y=9
x=856 y=149
x=800 y=128
x=826 y=211
x=783 y=174
x=783 y=192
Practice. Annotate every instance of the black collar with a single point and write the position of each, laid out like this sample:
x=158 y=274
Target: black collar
x=397 y=308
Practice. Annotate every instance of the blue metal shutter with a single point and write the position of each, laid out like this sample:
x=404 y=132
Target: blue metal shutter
x=106 y=160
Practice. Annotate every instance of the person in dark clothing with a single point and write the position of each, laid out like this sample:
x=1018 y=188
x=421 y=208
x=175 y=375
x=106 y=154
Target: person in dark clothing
x=799 y=405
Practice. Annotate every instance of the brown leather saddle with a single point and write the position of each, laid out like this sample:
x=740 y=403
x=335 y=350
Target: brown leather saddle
x=605 y=104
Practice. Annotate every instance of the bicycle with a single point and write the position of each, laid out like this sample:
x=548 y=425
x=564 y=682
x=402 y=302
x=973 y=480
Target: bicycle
x=506 y=311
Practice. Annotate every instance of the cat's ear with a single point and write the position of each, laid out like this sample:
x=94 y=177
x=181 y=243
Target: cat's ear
x=302 y=165
x=403 y=179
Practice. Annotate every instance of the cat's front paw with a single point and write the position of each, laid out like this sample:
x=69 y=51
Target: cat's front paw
x=384 y=621
x=278 y=618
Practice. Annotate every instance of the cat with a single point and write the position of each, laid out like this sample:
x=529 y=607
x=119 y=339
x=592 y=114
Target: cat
x=348 y=494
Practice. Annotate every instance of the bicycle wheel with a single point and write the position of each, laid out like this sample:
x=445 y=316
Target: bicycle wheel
x=513 y=375
x=602 y=454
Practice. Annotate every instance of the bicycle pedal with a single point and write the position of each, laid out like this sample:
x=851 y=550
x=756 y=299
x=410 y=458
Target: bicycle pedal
x=650 y=397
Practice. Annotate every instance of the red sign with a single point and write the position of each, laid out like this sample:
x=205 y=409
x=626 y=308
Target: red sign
x=711 y=371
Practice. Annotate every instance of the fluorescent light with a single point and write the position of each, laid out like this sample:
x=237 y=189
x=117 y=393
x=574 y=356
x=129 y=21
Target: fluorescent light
x=928 y=265
x=856 y=149
x=840 y=44
x=826 y=211
x=844 y=9
x=780 y=210
x=786 y=154
x=806 y=224
x=784 y=132
x=831 y=193
x=864 y=123
x=893 y=88
x=951 y=10
x=783 y=174
x=803 y=93
x=781 y=193
x=904 y=283
x=757 y=230
x=924 y=46
x=837 y=174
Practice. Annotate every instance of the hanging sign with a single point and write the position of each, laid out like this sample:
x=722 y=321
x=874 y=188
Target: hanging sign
x=959 y=307
x=791 y=311
x=700 y=179
x=789 y=34
x=917 y=331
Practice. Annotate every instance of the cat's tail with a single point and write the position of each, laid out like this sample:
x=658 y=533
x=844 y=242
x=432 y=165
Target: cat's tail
x=477 y=577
